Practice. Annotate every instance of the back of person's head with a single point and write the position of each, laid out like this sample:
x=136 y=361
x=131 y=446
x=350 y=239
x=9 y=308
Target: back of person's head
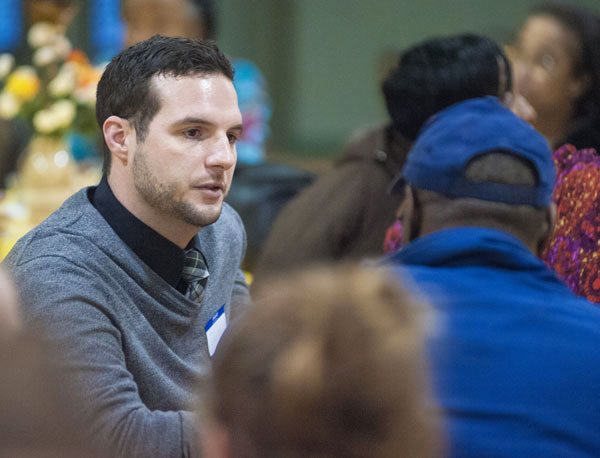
x=328 y=364
x=477 y=164
x=126 y=90
x=206 y=10
x=584 y=24
x=35 y=404
x=174 y=18
x=440 y=72
x=528 y=223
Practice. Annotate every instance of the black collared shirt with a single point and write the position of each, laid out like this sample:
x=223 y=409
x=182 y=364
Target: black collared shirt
x=159 y=253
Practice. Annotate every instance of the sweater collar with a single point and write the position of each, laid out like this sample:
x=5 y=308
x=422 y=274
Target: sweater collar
x=160 y=254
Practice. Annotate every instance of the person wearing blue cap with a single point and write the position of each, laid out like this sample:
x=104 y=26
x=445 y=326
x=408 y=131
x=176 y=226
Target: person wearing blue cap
x=513 y=352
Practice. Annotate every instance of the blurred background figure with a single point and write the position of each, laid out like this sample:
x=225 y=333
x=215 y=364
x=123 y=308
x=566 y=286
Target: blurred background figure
x=53 y=11
x=338 y=374
x=346 y=212
x=557 y=63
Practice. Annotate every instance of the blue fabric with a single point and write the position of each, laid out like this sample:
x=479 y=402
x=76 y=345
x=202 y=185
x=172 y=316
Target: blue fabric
x=255 y=106
x=466 y=130
x=11 y=18
x=107 y=30
x=515 y=356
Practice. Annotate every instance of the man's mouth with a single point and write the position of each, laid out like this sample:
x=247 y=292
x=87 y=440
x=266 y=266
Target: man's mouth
x=212 y=185
x=214 y=188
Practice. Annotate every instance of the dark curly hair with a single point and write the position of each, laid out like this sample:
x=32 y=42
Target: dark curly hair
x=441 y=72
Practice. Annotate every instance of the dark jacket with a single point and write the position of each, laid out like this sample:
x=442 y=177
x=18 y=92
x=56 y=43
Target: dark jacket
x=345 y=213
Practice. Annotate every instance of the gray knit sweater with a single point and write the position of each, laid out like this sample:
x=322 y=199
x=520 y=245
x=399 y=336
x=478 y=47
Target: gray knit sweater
x=135 y=345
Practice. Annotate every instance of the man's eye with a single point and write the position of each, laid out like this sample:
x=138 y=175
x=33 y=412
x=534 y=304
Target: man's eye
x=192 y=133
x=232 y=138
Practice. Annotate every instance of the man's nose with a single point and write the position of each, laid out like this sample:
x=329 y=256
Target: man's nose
x=222 y=154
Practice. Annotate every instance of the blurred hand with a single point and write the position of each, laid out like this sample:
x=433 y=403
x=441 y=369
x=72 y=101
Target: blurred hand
x=523 y=109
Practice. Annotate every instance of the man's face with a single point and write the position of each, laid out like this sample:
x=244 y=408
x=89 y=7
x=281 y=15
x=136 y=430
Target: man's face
x=171 y=18
x=183 y=168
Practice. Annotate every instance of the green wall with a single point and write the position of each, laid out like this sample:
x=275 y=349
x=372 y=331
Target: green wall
x=322 y=58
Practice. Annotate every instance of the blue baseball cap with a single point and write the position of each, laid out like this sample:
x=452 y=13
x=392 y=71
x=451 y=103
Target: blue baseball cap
x=454 y=136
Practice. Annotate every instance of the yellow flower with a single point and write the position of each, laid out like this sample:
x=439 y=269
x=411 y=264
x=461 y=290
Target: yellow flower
x=23 y=83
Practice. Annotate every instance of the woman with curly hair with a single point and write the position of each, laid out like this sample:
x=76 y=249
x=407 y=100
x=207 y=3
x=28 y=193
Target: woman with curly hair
x=557 y=67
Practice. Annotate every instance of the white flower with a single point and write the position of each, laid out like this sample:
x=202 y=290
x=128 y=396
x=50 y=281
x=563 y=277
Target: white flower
x=9 y=105
x=64 y=82
x=7 y=61
x=44 y=122
x=44 y=56
x=41 y=34
x=86 y=95
x=63 y=112
x=62 y=47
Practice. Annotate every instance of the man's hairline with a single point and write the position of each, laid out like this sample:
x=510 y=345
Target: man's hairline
x=153 y=90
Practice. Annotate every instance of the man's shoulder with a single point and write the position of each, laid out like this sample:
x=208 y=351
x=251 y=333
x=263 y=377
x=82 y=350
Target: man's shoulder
x=64 y=234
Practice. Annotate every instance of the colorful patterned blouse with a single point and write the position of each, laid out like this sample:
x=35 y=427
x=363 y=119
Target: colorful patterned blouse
x=575 y=246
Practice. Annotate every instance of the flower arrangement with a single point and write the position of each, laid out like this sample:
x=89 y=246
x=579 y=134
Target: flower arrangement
x=57 y=94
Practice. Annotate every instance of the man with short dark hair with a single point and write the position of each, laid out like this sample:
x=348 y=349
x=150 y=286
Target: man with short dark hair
x=138 y=277
x=514 y=354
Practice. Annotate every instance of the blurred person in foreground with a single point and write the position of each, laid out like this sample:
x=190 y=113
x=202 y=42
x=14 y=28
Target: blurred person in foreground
x=36 y=406
x=137 y=278
x=10 y=313
x=339 y=373
x=514 y=357
x=557 y=65
x=346 y=212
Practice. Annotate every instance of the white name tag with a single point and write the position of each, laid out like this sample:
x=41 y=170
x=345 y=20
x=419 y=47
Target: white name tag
x=215 y=328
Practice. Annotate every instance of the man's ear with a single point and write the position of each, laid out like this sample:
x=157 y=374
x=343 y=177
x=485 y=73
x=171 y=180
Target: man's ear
x=549 y=229
x=118 y=134
x=216 y=442
x=408 y=214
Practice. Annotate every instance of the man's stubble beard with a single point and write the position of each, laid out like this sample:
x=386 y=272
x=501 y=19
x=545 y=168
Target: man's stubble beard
x=167 y=198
